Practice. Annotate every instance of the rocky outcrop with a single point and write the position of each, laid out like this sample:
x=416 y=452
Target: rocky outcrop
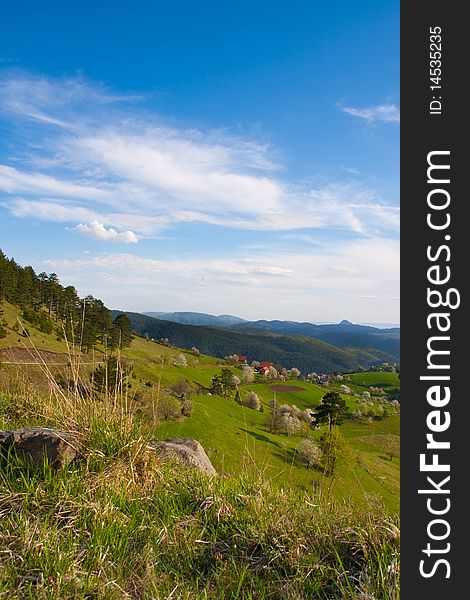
x=34 y=444
x=185 y=451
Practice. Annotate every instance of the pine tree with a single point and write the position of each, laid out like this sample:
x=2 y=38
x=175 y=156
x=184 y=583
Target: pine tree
x=331 y=410
x=121 y=332
x=226 y=381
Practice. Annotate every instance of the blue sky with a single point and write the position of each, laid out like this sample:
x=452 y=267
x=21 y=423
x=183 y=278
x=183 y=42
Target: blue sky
x=211 y=156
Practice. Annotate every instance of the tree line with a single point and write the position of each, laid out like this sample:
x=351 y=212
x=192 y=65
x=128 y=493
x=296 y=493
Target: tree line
x=47 y=305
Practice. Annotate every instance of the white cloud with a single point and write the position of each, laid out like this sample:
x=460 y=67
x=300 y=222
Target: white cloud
x=98 y=231
x=189 y=173
x=337 y=280
x=14 y=181
x=108 y=169
x=106 y=159
x=49 y=210
x=61 y=101
x=385 y=113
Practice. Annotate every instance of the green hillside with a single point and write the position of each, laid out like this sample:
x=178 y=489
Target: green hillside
x=119 y=524
x=385 y=380
x=303 y=352
x=235 y=437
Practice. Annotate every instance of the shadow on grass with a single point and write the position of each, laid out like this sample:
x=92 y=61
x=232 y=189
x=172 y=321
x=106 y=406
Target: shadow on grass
x=260 y=437
x=291 y=457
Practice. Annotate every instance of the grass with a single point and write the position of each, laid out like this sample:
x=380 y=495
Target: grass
x=360 y=382
x=117 y=524
x=39 y=340
x=236 y=437
x=145 y=531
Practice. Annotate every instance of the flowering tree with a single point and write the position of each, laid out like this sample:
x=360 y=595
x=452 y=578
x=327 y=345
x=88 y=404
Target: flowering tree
x=310 y=452
x=253 y=401
x=181 y=360
x=248 y=375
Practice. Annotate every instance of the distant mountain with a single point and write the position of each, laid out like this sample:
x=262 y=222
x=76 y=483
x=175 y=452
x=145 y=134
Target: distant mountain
x=299 y=351
x=344 y=334
x=383 y=325
x=195 y=318
x=383 y=342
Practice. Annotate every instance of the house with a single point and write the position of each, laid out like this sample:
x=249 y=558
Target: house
x=264 y=367
x=323 y=379
x=242 y=360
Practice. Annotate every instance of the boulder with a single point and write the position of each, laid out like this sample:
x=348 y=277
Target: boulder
x=186 y=451
x=34 y=444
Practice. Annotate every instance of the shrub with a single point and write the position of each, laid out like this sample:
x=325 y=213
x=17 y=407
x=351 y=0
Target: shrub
x=168 y=408
x=187 y=407
x=335 y=450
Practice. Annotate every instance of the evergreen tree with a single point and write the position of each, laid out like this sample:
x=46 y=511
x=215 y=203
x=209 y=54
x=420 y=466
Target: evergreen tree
x=226 y=381
x=110 y=377
x=44 y=300
x=331 y=410
x=216 y=386
x=95 y=323
x=121 y=332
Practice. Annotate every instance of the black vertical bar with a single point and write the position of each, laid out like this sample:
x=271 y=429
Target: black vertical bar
x=434 y=120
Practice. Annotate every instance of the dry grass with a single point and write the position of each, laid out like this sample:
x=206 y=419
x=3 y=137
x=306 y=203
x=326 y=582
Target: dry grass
x=117 y=524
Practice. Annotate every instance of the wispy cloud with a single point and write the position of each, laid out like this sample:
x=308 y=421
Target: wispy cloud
x=304 y=288
x=384 y=113
x=105 y=158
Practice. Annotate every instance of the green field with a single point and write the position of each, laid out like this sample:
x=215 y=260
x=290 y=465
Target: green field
x=236 y=438
x=383 y=379
x=120 y=524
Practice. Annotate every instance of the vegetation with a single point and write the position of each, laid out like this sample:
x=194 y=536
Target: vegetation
x=335 y=450
x=123 y=526
x=302 y=352
x=331 y=410
x=298 y=510
x=118 y=524
x=385 y=343
x=252 y=401
x=46 y=304
x=310 y=452
x=222 y=384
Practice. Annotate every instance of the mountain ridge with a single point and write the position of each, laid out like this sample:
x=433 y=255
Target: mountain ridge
x=304 y=352
x=345 y=334
x=196 y=318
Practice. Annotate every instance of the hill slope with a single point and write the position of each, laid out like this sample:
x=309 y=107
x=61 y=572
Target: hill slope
x=385 y=341
x=233 y=436
x=299 y=351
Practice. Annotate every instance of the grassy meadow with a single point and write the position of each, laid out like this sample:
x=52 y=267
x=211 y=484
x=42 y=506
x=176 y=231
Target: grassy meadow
x=118 y=524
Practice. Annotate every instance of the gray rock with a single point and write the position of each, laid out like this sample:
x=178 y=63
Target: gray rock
x=34 y=444
x=185 y=451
